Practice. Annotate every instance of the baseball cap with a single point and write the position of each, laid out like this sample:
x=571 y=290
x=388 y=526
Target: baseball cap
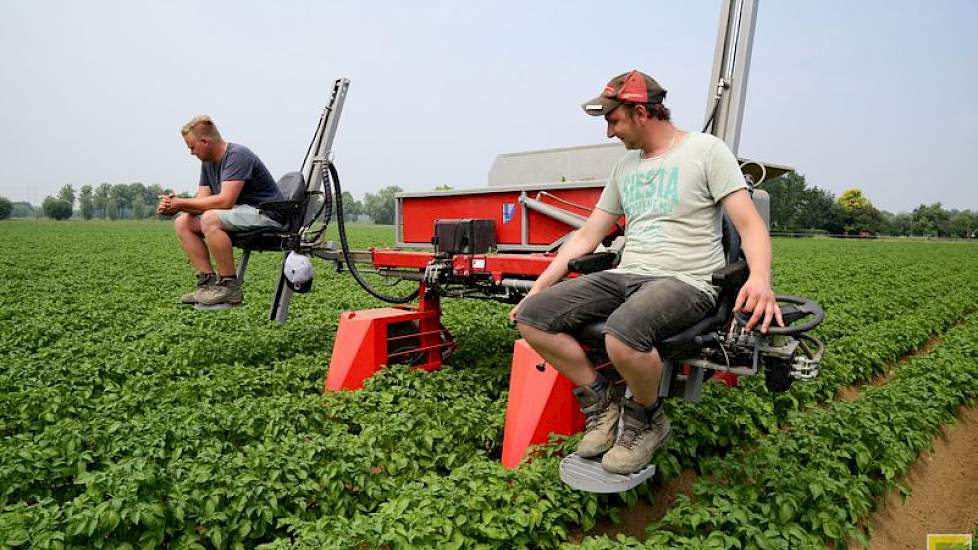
x=298 y=272
x=630 y=87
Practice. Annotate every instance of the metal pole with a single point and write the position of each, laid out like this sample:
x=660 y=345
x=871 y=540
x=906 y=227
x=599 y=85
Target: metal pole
x=320 y=151
x=731 y=66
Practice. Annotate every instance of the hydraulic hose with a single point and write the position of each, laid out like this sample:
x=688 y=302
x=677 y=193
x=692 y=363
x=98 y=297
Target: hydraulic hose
x=713 y=114
x=341 y=225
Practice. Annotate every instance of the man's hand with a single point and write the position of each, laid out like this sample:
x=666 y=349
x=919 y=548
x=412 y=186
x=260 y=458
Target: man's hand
x=757 y=298
x=167 y=206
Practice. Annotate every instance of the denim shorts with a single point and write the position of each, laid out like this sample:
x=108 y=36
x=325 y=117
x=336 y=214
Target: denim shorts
x=641 y=310
x=244 y=217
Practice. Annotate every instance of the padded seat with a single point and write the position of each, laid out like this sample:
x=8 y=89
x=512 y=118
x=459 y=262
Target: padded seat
x=688 y=341
x=292 y=209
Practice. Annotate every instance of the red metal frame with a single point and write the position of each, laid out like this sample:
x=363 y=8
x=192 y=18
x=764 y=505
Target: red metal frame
x=540 y=403
x=362 y=341
x=465 y=265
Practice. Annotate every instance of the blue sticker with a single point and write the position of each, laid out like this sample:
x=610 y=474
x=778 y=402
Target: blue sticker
x=509 y=210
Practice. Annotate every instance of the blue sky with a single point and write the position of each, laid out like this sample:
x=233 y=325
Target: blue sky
x=870 y=94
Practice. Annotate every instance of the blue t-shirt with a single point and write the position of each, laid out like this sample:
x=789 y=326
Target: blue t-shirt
x=240 y=164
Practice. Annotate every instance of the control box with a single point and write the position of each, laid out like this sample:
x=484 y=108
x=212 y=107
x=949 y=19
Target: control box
x=464 y=236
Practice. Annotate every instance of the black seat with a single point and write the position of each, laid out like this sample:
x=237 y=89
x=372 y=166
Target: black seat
x=291 y=211
x=688 y=341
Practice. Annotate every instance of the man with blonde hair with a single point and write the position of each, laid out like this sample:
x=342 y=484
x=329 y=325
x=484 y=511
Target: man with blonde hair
x=233 y=182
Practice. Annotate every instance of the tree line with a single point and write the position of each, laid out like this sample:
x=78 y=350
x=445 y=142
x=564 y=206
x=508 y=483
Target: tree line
x=795 y=207
x=120 y=201
x=134 y=201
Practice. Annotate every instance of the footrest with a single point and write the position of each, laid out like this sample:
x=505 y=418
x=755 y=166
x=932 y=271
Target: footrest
x=587 y=474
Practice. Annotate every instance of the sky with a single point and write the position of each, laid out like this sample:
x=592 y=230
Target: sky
x=875 y=95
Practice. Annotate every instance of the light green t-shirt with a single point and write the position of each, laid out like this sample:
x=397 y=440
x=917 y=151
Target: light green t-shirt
x=672 y=209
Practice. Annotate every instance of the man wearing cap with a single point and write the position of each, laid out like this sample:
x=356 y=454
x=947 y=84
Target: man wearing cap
x=672 y=186
x=233 y=182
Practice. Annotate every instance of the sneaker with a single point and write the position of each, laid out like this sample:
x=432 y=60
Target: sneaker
x=643 y=432
x=225 y=291
x=203 y=281
x=601 y=409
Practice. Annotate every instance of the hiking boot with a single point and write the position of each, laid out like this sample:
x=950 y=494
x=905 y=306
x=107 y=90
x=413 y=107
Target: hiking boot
x=203 y=281
x=225 y=291
x=644 y=430
x=601 y=407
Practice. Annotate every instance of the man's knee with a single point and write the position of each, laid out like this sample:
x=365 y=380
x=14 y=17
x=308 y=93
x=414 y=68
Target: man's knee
x=210 y=222
x=185 y=223
x=528 y=332
x=620 y=350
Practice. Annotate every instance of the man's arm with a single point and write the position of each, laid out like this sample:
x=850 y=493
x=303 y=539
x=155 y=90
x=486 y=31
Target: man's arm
x=230 y=190
x=756 y=296
x=583 y=241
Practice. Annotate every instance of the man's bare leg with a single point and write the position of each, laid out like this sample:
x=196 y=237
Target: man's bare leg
x=641 y=370
x=563 y=352
x=191 y=237
x=219 y=243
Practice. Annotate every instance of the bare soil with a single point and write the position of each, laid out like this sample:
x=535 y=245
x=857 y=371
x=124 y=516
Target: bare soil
x=944 y=492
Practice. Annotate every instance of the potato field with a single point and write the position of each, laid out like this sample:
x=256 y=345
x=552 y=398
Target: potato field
x=128 y=421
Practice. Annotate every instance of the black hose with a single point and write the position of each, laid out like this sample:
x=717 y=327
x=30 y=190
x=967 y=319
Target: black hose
x=713 y=114
x=341 y=225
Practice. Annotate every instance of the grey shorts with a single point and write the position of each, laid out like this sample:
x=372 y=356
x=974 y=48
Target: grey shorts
x=641 y=310
x=244 y=217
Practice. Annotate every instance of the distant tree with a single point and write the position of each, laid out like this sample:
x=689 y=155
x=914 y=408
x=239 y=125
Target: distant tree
x=352 y=208
x=86 y=202
x=112 y=208
x=962 y=223
x=380 y=207
x=819 y=210
x=121 y=194
x=787 y=200
x=6 y=208
x=930 y=220
x=852 y=199
x=102 y=194
x=22 y=210
x=446 y=187
x=858 y=213
x=67 y=194
x=56 y=208
x=896 y=224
